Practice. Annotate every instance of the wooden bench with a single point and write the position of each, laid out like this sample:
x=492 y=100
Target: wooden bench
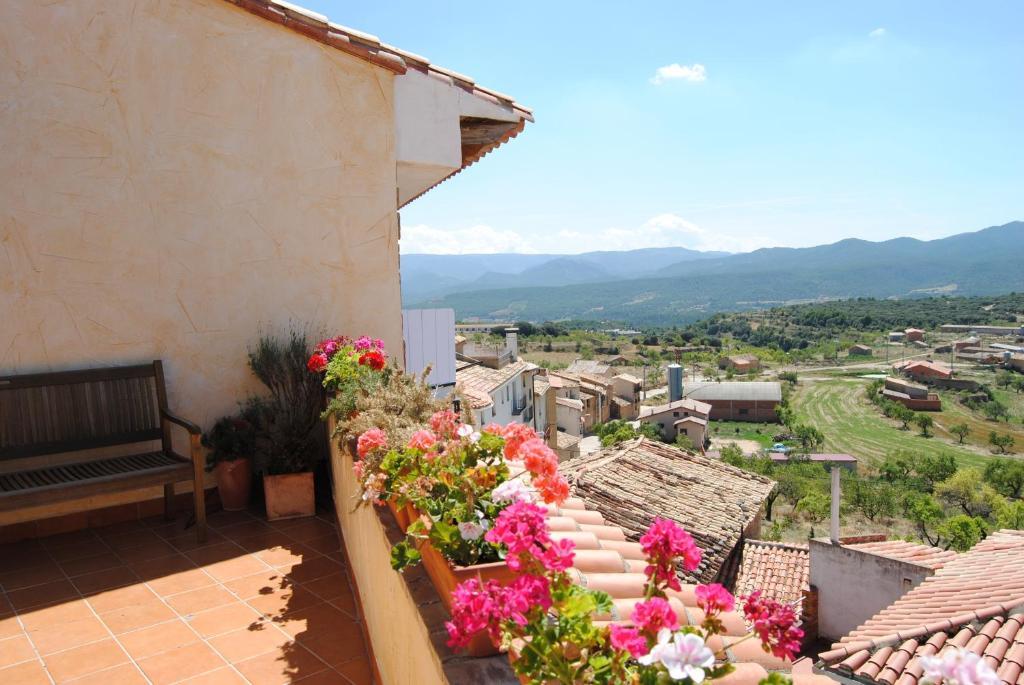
x=70 y=440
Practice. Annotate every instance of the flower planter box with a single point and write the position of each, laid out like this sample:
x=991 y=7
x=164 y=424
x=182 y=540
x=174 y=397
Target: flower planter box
x=402 y=515
x=234 y=482
x=289 y=495
x=446 y=577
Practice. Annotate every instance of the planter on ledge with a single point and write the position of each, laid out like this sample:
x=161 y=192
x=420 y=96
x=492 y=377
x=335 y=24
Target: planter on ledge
x=445 y=577
x=289 y=495
x=402 y=514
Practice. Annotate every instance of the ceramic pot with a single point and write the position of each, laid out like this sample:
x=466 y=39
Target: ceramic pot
x=234 y=482
x=445 y=576
x=402 y=517
x=289 y=495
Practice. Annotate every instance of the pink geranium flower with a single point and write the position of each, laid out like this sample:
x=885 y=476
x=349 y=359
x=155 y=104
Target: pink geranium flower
x=653 y=615
x=422 y=440
x=443 y=423
x=775 y=624
x=714 y=599
x=629 y=639
x=371 y=440
x=957 y=667
x=665 y=543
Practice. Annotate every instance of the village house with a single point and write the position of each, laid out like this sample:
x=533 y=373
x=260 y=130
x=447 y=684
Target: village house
x=634 y=481
x=911 y=395
x=973 y=600
x=985 y=330
x=924 y=370
x=626 y=399
x=740 y=401
x=914 y=335
x=859 y=350
x=897 y=336
x=687 y=417
x=740 y=363
x=591 y=367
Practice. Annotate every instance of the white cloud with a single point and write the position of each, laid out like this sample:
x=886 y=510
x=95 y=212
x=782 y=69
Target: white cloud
x=695 y=73
x=478 y=239
x=877 y=33
x=663 y=230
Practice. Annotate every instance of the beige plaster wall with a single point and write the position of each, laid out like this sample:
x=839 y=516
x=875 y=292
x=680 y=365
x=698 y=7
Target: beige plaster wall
x=177 y=174
x=401 y=643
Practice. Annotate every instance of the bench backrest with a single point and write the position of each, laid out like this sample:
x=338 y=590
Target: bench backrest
x=67 y=411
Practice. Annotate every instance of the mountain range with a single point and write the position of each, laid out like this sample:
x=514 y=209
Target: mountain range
x=664 y=286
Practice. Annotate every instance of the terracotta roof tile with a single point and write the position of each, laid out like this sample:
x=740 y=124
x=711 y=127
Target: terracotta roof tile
x=636 y=480
x=780 y=570
x=921 y=555
x=975 y=600
x=485 y=379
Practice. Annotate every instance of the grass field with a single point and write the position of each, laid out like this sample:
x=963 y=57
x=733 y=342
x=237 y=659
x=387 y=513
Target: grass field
x=851 y=424
x=760 y=433
x=953 y=412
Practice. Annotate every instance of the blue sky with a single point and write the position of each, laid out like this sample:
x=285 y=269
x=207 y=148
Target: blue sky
x=786 y=123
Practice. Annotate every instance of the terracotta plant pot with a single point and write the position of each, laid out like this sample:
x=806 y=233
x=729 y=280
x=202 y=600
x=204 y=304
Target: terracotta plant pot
x=289 y=495
x=446 y=577
x=234 y=482
x=402 y=517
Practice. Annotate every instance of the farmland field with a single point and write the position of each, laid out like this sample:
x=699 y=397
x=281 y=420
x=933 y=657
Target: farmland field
x=851 y=424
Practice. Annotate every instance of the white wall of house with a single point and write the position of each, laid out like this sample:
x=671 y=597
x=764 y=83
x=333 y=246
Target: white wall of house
x=518 y=390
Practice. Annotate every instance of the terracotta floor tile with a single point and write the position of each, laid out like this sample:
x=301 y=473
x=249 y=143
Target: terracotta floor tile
x=311 y=569
x=47 y=572
x=108 y=579
x=69 y=540
x=125 y=674
x=150 y=550
x=283 y=601
x=81 y=550
x=115 y=530
x=279 y=669
x=310 y=529
x=263 y=583
x=245 y=644
x=68 y=634
x=158 y=638
x=136 y=616
x=161 y=567
x=223 y=519
x=319 y=618
x=28 y=673
x=326 y=544
x=222 y=551
x=55 y=614
x=82 y=661
x=335 y=644
x=134 y=538
x=265 y=540
x=14 y=650
x=329 y=587
x=46 y=594
x=194 y=601
x=10 y=626
x=328 y=677
x=222 y=676
x=227 y=618
x=244 y=529
x=358 y=671
x=180 y=663
x=235 y=568
x=99 y=562
x=117 y=598
x=187 y=541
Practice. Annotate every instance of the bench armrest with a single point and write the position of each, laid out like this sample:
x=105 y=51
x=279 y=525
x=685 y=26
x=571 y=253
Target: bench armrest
x=187 y=425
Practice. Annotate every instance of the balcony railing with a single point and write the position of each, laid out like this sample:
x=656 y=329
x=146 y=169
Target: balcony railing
x=518 y=405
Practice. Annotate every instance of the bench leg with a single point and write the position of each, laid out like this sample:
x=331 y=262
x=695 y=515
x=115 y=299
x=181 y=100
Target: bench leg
x=169 y=502
x=199 y=496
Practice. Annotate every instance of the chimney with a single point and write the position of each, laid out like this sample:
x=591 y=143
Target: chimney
x=551 y=417
x=836 y=496
x=674 y=378
x=512 y=342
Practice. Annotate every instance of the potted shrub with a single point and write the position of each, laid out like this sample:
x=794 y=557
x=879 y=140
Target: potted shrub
x=231 y=442
x=458 y=481
x=288 y=444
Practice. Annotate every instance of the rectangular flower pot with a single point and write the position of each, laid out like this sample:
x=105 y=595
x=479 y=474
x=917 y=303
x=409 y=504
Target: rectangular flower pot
x=402 y=517
x=289 y=495
x=445 y=576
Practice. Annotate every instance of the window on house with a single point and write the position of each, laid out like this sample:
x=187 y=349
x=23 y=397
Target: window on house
x=744 y=412
x=675 y=414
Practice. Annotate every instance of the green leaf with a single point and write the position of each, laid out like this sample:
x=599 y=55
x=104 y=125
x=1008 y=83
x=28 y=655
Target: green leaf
x=403 y=554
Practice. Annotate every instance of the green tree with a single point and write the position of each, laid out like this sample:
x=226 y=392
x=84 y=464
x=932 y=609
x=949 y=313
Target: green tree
x=1003 y=442
x=1010 y=515
x=809 y=436
x=873 y=499
x=926 y=514
x=995 y=410
x=1004 y=379
x=924 y=422
x=683 y=442
x=903 y=415
x=967 y=490
x=1018 y=384
x=961 y=430
x=1006 y=476
x=897 y=466
x=961 y=532
x=732 y=454
x=934 y=468
x=815 y=506
x=650 y=431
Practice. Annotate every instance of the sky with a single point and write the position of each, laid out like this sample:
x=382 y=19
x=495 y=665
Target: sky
x=723 y=125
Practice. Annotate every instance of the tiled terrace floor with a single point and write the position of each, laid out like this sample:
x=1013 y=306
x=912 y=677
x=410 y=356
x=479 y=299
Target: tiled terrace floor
x=143 y=603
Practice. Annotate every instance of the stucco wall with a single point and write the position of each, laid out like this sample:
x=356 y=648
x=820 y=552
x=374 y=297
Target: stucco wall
x=177 y=175
x=853 y=585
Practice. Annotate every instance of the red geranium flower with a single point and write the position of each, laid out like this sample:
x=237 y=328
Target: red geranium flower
x=374 y=359
x=317 y=362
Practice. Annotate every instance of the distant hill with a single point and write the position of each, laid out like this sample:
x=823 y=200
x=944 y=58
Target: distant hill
x=428 y=276
x=989 y=261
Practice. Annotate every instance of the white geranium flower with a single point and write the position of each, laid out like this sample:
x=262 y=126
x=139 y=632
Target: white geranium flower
x=474 y=437
x=957 y=667
x=464 y=431
x=470 y=530
x=684 y=655
x=512 y=491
